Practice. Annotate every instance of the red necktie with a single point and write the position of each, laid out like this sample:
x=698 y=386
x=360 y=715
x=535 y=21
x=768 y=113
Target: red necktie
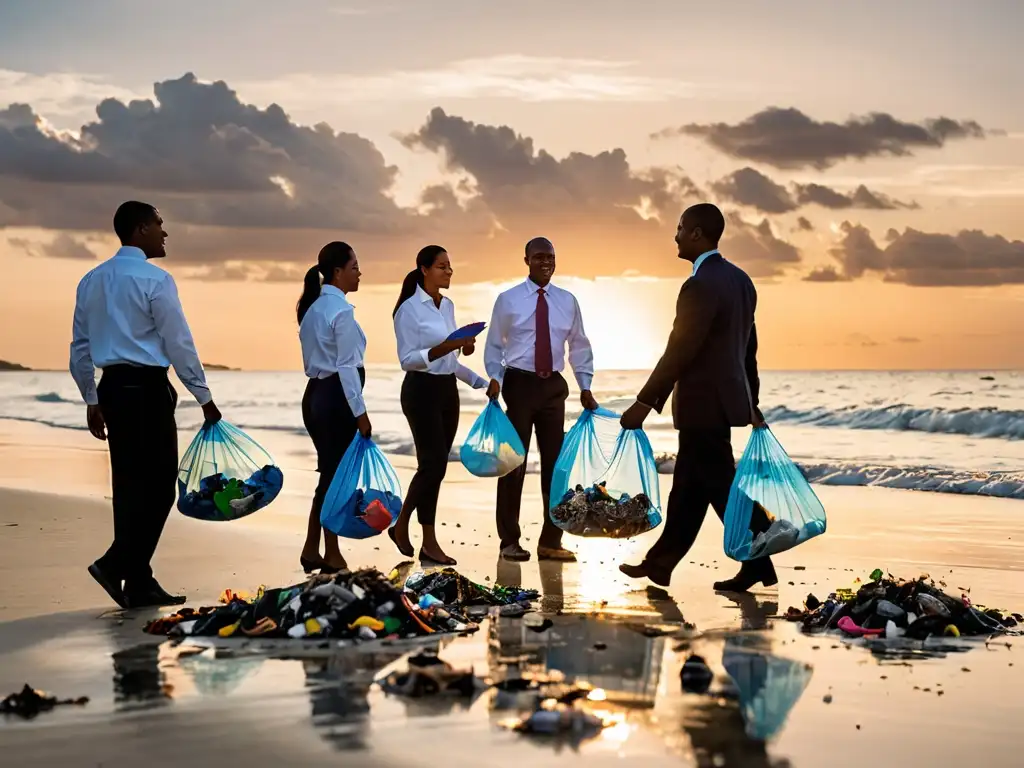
x=542 y=359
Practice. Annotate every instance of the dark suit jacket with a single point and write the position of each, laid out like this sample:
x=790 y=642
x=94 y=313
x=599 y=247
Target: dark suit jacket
x=711 y=356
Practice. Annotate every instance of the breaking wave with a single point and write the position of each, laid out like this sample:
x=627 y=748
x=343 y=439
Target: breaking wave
x=972 y=422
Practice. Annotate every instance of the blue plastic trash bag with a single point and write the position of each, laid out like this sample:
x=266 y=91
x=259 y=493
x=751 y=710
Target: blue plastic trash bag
x=768 y=477
x=493 y=447
x=225 y=475
x=768 y=688
x=605 y=481
x=365 y=497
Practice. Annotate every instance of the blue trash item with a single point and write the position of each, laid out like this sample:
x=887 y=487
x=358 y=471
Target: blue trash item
x=768 y=687
x=492 y=447
x=365 y=497
x=225 y=475
x=605 y=481
x=767 y=476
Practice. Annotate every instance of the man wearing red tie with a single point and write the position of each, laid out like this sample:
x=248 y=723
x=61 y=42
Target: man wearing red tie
x=531 y=326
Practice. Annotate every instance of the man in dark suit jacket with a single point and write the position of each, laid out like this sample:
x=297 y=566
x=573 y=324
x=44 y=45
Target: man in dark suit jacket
x=710 y=362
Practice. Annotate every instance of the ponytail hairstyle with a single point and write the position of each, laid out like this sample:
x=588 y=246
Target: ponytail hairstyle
x=332 y=256
x=424 y=260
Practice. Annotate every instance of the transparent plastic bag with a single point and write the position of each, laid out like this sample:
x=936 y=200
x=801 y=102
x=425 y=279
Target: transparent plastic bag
x=365 y=497
x=605 y=481
x=492 y=447
x=768 y=477
x=226 y=475
x=768 y=687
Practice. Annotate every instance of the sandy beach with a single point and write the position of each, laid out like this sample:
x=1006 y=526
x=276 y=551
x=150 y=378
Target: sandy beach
x=59 y=633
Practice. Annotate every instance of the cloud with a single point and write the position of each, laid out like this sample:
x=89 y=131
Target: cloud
x=63 y=246
x=787 y=138
x=804 y=224
x=756 y=248
x=524 y=186
x=240 y=183
x=59 y=95
x=826 y=274
x=911 y=257
x=508 y=77
x=752 y=188
x=907 y=340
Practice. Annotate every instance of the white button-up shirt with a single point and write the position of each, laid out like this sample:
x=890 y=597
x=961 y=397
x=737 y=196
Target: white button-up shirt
x=512 y=336
x=701 y=259
x=127 y=311
x=333 y=343
x=419 y=327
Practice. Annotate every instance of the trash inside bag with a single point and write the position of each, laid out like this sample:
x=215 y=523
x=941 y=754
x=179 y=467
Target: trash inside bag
x=225 y=475
x=768 y=687
x=365 y=497
x=605 y=480
x=493 y=447
x=768 y=478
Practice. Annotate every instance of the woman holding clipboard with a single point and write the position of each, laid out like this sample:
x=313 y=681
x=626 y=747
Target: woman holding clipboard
x=429 y=345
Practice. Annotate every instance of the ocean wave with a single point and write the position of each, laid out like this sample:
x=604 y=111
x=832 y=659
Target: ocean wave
x=970 y=422
x=1005 y=485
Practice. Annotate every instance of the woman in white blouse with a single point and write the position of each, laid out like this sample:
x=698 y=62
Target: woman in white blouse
x=430 y=398
x=333 y=346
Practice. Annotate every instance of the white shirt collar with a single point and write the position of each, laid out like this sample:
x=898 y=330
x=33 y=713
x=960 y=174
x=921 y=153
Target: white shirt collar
x=131 y=252
x=424 y=297
x=532 y=287
x=333 y=290
x=700 y=260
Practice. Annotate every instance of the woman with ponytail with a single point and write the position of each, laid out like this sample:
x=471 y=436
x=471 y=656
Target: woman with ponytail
x=333 y=346
x=424 y=319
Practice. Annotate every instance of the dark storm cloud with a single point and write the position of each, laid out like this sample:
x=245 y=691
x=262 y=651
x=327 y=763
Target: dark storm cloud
x=804 y=224
x=787 y=138
x=911 y=257
x=752 y=188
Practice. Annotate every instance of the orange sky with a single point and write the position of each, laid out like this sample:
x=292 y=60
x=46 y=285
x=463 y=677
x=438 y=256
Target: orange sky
x=594 y=129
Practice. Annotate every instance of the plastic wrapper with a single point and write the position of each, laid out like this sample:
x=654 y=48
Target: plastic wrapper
x=768 y=477
x=493 y=447
x=365 y=497
x=605 y=481
x=225 y=475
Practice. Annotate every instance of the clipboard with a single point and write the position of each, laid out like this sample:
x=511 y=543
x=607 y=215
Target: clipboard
x=467 y=331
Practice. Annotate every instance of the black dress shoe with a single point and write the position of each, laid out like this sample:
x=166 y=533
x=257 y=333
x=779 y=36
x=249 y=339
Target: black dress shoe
x=110 y=585
x=657 y=575
x=748 y=576
x=153 y=596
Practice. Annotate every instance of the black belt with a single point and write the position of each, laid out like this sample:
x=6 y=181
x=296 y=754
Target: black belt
x=135 y=374
x=533 y=374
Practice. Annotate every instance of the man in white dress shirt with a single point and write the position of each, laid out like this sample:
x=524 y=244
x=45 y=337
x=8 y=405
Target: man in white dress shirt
x=530 y=328
x=129 y=323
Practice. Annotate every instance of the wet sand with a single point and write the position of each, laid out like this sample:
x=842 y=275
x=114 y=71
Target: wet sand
x=58 y=632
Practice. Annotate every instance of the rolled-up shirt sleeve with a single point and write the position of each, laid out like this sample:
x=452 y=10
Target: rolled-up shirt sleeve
x=177 y=338
x=347 y=338
x=497 y=338
x=411 y=357
x=581 y=354
x=83 y=371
